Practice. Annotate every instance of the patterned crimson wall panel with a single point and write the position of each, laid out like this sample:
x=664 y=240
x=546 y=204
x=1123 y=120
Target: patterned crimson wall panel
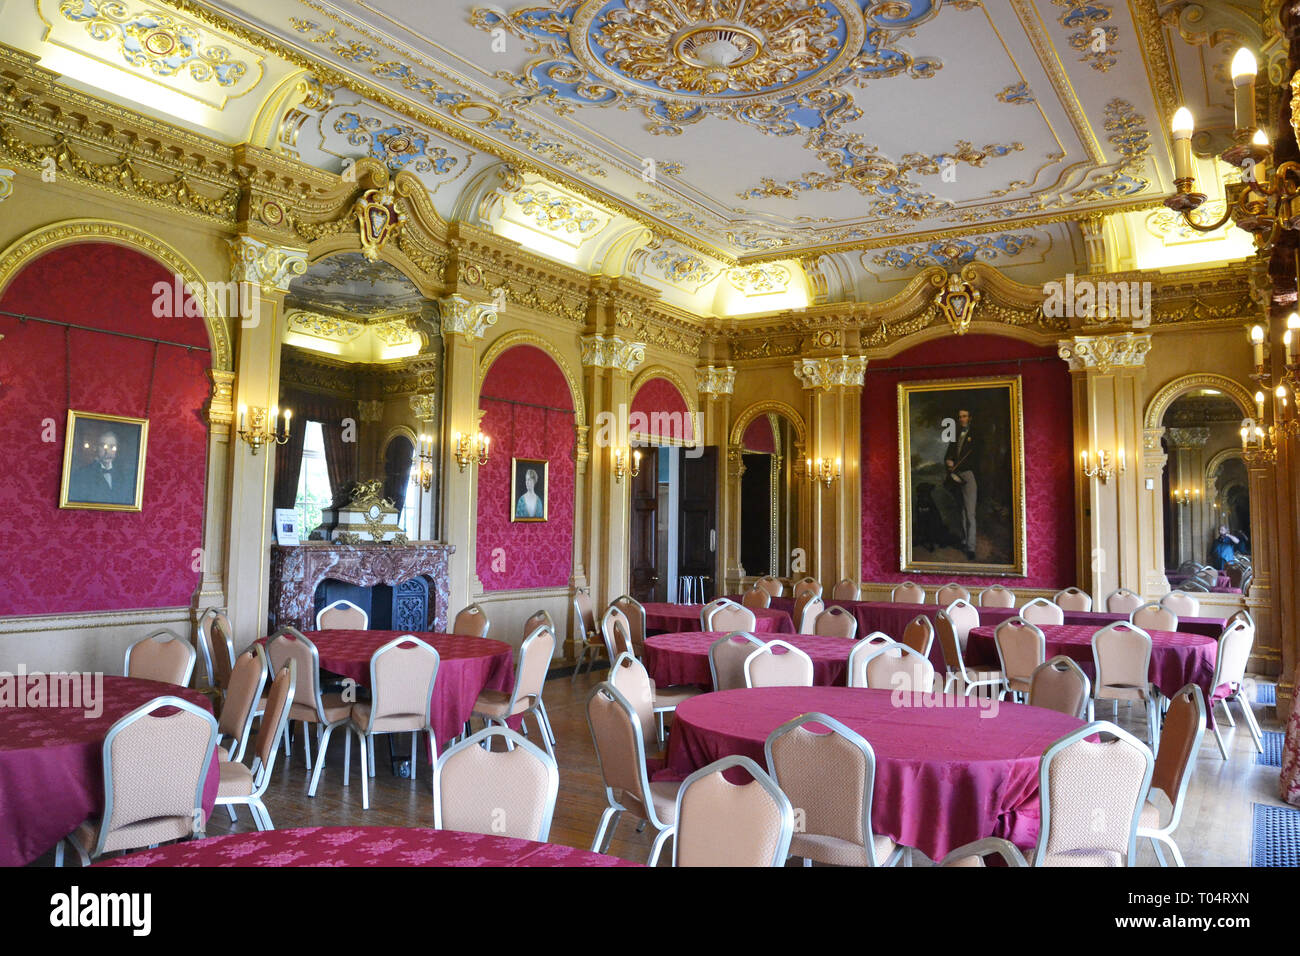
x=658 y=410
x=65 y=561
x=516 y=555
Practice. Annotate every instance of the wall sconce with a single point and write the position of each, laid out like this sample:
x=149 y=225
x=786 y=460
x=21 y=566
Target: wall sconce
x=620 y=465
x=252 y=427
x=825 y=470
x=470 y=448
x=1258 y=444
x=424 y=455
x=1107 y=465
x=1187 y=496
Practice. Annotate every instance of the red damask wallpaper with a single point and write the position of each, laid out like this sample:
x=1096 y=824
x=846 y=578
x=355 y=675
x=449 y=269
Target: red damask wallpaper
x=1049 y=454
x=664 y=410
x=758 y=436
x=516 y=555
x=58 y=561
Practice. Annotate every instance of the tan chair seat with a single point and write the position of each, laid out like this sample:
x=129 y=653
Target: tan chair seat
x=1019 y=684
x=672 y=696
x=236 y=780
x=494 y=703
x=223 y=754
x=1083 y=858
x=1121 y=692
x=393 y=723
x=837 y=852
x=336 y=709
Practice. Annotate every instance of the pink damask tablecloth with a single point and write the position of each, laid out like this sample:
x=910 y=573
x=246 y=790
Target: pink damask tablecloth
x=364 y=846
x=945 y=775
x=675 y=618
x=52 y=770
x=683 y=658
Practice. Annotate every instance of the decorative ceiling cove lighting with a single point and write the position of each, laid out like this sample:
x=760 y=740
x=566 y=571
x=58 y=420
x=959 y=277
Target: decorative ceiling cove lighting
x=717 y=47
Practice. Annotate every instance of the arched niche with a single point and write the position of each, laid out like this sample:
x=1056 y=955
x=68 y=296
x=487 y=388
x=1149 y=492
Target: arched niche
x=661 y=410
x=766 y=448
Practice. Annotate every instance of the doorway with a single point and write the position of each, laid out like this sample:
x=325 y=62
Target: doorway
x=673 y=522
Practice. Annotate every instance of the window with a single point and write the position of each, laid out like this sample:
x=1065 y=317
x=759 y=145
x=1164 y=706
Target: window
x=313 y=481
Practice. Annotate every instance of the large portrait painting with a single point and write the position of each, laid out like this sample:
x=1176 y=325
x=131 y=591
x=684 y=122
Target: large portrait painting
x=961 y=471
x=103 y=462
x=527 y=489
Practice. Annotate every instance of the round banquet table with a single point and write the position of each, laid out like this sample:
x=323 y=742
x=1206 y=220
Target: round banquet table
x=675 y=618
x=363 y=846
x=683 y=658
x=467 y=667
x=52 y=769
x=945 y=775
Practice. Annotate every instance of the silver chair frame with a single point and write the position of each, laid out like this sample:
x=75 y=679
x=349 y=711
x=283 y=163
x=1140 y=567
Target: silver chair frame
x=710 y=610
x=987 y=847
x=763 y=780
x=893 y=592
x=1072 y=592
x=713 y=668
x=1041 y=602
x=864 y=646
x=1123 y=593
x=341 y=603
x=262 y=773
x=766 y=648
x=960 y=673
x=1251 y=724
x=1195 y=601
x=997 y=588
x=1062 y=663
x=324 y=729
x=1002 y=661
x=167 y=636
x=880 y=651
x=512 y=740
x=1164 y=834
x=241 y=741
x=539 y=708
x=623 y=602
x=1150 y=692
x=588 y=638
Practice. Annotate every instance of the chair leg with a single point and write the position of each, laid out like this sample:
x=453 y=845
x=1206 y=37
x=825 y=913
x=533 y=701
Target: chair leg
x=609 y=834
x=347 y=758
x=323 y=746
x=58 y=853
x=546 y=721
x=415 y=745
x=364 y=740
x=1251 y=724
x=657 y=847
x=578 y=666
x=1155 y=845
x=600 y=830
x=306 y=744
x=371 y=746
x=662 y=732
x=546 y=739
x=230 y=808
x=1232 y=721
x=1218 y=738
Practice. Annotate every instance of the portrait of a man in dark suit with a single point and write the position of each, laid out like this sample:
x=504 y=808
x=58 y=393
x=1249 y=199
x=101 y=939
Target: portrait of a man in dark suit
x=103 y=462
x=961 y=459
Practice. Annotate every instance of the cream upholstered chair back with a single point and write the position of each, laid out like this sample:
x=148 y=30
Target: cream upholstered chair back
x=806 y=615
x=919 y=634
x=898 y=667
x=997 y=596
x=727 y=659
x=1181 y=603
x=1123 y=601
x=289 y=644
x=1235 y=643
x=836 y=622
x=908 y=593
x=217 y=648
x=778 y=664
x=1021 y=647
x=1180 y=742
x=402 y=675
x=630 y=678
x=154 y=770
x=617 y=632
x=952 y=591
x=584 y=613
x=1121 y=654
x=805 y=586
x=963 y=616
x=618 y=735
x=538 y=619
x=162 y=656
x=846 y=590
x=727 y=615
x=1041 y=611
x=342 y=616
x=949 y=643
x=279 y=698
x=245 y=690
x=1153 y=617
x=1060 y=685
x=725 y=824
x=634 y=611
x=534 y=661
x=1092 y=793
x=756 y=598
x=471 y=622
x=1072 y=599
x=771 y=585
x=507 y=793
x=857 y=675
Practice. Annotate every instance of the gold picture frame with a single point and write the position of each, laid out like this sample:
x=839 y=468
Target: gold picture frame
x=936 y=509
x=86 y=483
x=520 y=508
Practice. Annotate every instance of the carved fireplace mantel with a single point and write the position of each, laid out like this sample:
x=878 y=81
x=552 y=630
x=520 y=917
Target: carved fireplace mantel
x=296 y=572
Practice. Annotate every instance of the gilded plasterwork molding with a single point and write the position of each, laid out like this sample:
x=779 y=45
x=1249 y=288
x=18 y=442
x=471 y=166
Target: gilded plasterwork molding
x=1187 y=437
x=460 y=316
x=1105 y=353
x=844 y=371
x=6 y=184
x=322 y=326
x=370 y=410
x=612 y=351
x=423 y=407
x=270 y=267
x=221 y=406
x=1160 y=402
x=765 y=408
x=713 y=381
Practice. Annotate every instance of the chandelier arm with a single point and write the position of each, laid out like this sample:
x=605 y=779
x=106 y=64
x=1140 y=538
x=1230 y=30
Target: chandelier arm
x=1187 y=218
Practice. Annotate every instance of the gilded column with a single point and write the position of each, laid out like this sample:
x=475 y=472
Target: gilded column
x=220 y=412
x=715 y=386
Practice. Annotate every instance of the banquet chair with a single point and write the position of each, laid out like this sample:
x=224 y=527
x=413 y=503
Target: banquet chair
x=756 y=598
x=342 y=615
x=897 y=667
x=244 y=785
x=908 y=593
x=772 y=585
x=154 y=770
x=617 y=632
x=402 y=676
x=247 y=681
x=584 y=622
x=1121 y=655
x=1180 y=742
x=1123 y=601
x=498 y=706
x=997 y=596
x=830 y=775
x=950 y=592
x=857 y=675
x=726 y=615
x=836 y=622
x=1207 y=576
x=724 y=824
x=1181 y=603
x=972 y=854
x=508 y=793
x=845 y=590
x=964 y=616
x=633 y=681
x=727 y=657
x=1193 y=586
x=1061 y=685
x=766 y=668
x=634 y=611
x=1041 y=611
x=218 y=649
x=310 y=704
x=1154 y=617
x=1021 y=648
x=618 y=733
x=1235 y=573
x=806 y=585
x=1241 y=614
x=162 y=656
x=1091 y=795
x=538 y=619
x=954 y=658
x=1072 y=599
x=807 y=609
x=1230 y=668
x=471 y=622
x=919 y=635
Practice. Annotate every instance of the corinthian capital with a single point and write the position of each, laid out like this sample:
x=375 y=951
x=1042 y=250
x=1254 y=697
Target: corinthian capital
x=463 y=317
x=837 y=371
x=612 y=351
x=271 y=267
x=713 y=381
x=1103 y=353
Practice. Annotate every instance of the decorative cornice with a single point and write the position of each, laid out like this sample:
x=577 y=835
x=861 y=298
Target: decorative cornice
x=1187 y=437
x=270 y=267
x=714 y=381
x=1104 y=353
x=423 y=406
x=460 y=316
x=612 y=351
x=843 y=371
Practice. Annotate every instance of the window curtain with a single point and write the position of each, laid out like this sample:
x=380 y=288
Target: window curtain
x=288 y=463
x=397 y=470
x=341 y=460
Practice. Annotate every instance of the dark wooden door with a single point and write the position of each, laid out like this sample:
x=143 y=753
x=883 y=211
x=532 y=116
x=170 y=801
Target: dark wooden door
x=697 y=529
x=645 y=505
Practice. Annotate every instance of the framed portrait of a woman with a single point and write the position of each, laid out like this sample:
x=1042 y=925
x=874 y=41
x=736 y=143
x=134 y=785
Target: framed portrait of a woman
x=527 y=489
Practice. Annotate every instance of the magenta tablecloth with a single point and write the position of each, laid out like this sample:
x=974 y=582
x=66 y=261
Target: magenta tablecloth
x=944 y=775
x=683 y=658
x=364 y=846
x=468 y=666
x=52 y=770
x=675 y=618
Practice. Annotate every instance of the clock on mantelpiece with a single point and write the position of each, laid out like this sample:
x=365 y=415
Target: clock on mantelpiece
x=368 y=517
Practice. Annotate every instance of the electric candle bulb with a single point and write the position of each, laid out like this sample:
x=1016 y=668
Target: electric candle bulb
x=1257 y=339
x=1259 y=405
x=1182 y=127
x=1244 y=70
